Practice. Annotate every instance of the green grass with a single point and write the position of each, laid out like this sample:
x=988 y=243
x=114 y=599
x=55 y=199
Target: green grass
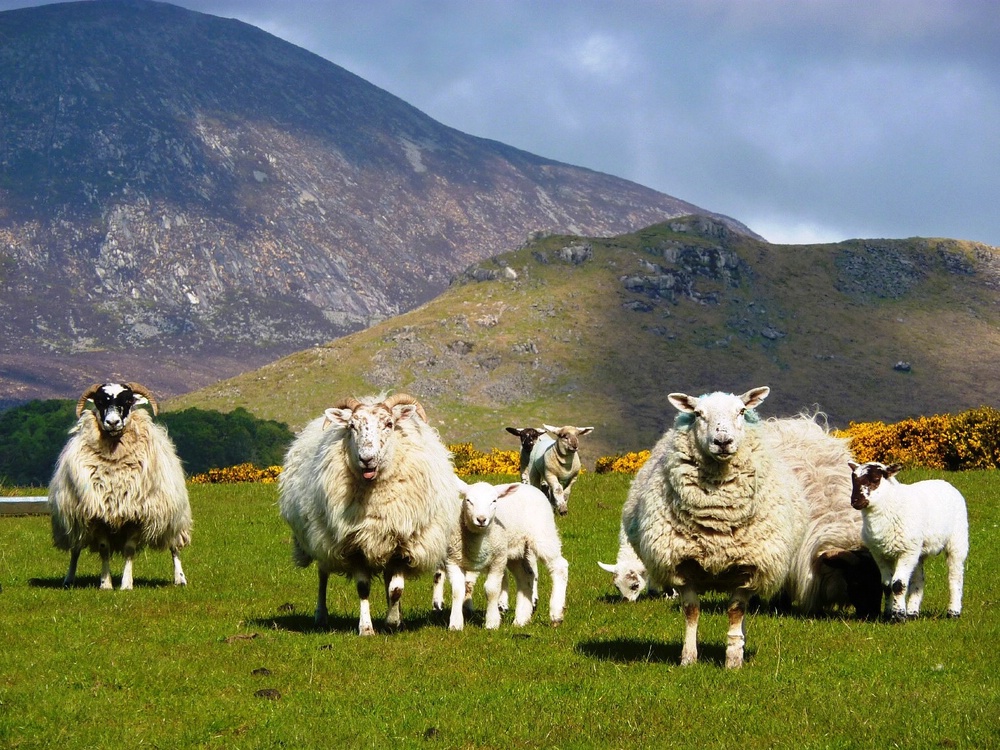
x=182 y=668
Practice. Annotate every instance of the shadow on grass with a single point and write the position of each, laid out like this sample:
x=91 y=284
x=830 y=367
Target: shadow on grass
x=631 y=651
x=93 y=582
x=295 y=622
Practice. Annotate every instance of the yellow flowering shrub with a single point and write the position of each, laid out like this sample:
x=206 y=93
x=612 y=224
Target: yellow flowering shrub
x=240 y=473
x=628 y=463
x=469 y=461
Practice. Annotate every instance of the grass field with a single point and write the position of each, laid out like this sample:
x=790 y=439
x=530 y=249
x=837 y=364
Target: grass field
x=233 y=661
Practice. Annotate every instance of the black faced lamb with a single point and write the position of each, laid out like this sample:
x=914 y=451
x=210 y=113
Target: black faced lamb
x=717 y=510
x=118 y=484
x=528 y=437
x=368 y=489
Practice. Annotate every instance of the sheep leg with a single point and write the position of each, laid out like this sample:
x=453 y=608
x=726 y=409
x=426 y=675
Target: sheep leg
x=322 y=616
x=105 y=552
x=559 y=498
x=364 y=584
x=456 y=577
x=524 y=577
x=493 y=586
x=437 y=594
x=735 y=638
x=393 y=594
x=179 y=577
x=129 y=554
x=470 y=586
x=559 y=570
x=956 y=575
x=905 y=566
x=915 y=591
x=504 y=593
x=74 y=558
x=689 y=603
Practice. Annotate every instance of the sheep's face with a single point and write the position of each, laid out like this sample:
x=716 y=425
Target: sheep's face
x=369 y=431
x=866 y=479
x=113 y=404
x=629 y=581
x=567 y=438
x=528 y=436
x=718 y=420
x=479 y=505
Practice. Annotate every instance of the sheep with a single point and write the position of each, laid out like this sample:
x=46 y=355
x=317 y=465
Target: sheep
x=629 y=574
x=528 y=437
x=716 y=509
x=904 y=523
x=118 y=485
x=367 y=489
x=505 y=527
x=831 y=566
x=554 y=463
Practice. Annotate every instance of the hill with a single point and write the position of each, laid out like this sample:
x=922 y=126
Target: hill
x=596 y=331
x=184 y=197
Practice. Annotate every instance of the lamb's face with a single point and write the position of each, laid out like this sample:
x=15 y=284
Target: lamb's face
x=719 y=420
x=567 y=438
x=479 y=505
x=113 y=404
x=628 y=580
x=865 y=480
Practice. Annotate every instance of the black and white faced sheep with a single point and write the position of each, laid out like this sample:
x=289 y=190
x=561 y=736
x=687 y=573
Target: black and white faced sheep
x=555 y=463
x=368 y=489
x=118 y=485
x=716 y=509
x=528 y=437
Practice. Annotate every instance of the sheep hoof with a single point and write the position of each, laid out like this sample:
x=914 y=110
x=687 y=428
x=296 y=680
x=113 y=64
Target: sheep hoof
x=369 y=630
x=557 y=623
x=953 y=615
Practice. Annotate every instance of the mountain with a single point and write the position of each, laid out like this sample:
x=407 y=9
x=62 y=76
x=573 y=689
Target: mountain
x=184 y=197
x=591 y=331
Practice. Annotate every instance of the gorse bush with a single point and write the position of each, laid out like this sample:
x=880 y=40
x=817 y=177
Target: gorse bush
x=246 y=472
x=469 y=461
x=628 y=463
x=968 y=440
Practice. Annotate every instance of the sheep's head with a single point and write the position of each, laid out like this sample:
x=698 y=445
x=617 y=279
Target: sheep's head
x=629 y=580
x=866 y=478
x=528 y=435
x=479 y=502
x=718 y=420
x=567 y=438
x=113 y=404
x=369 y=426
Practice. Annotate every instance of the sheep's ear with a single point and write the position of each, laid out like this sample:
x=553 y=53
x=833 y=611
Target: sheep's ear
x=401 y=412
x=138 y=400
x=462 y=487
x=338 y=417
x=605 y=566
x=854 y=466
x=753 y=398
x=509 y=489
x=550 y=428
x=584 y=430
x=892 y=470
x=514 y=431
x=683 y=402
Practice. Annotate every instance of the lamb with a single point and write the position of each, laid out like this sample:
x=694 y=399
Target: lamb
x=831 y=566
x=904 y=523
x=368 y=489
x=554 y=463
x=716 y=509
x=629 y=574
x=505 y=527
x=528 y=437
x=118 y=485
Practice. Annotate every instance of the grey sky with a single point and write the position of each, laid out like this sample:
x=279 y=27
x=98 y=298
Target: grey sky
x=808 y=120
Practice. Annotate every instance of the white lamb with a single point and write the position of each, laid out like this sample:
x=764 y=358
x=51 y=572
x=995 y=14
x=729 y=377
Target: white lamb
x=555 y=463
x=503 y=528
x=628 y=572
x=717 y=510
x=369 y=489
x=118 y=485
x=904 y=523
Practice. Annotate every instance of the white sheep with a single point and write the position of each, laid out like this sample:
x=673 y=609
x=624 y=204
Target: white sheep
x=628 y=572
x=904 y=523
x=118 y=484
x=717 y=510
x=554 y=463
x=369 y=489
x=505 y=527
x=831 y=566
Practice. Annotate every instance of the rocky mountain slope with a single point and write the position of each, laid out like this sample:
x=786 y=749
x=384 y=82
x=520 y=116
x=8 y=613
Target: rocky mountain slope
x=597 y=332
x=184 y=196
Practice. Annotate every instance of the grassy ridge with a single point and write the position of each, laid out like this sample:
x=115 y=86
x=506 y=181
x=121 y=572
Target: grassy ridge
x=183 y=668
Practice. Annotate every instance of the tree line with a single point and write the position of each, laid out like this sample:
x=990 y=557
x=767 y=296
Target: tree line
x=33 y=434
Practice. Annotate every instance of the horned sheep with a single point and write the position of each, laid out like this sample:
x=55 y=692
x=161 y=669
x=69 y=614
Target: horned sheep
x=555 y=463
x=505 y=527
x=717 y=510
x=902 y=524
x=118 y=484
x=368 y=489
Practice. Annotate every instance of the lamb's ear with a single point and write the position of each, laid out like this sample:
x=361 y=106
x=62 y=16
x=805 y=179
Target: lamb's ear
x=754 y=397
x=854 y=466
x=605 y=566
x=892 y=470
x=584 y=430
x=683 y=402
x=509 y=489
x=513 y=431
x=339 y=417
x=462 y=487
x=549 y=428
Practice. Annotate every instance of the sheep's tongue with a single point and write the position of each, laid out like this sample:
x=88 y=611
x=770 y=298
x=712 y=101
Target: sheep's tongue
x=368 y=473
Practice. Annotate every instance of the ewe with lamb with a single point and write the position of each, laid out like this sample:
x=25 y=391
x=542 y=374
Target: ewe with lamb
x=369 y=489
x=118 y=485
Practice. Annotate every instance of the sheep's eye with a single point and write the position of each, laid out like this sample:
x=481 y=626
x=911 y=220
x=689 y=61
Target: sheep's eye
x=743 y=411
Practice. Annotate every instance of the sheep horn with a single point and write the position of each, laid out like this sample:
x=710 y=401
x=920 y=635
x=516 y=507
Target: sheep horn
x=403 y=398
x=144 y=391
x=87 y=395
x=347 y=403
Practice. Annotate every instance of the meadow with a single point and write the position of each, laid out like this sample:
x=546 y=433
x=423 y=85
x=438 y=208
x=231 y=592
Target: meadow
x=234 y=661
